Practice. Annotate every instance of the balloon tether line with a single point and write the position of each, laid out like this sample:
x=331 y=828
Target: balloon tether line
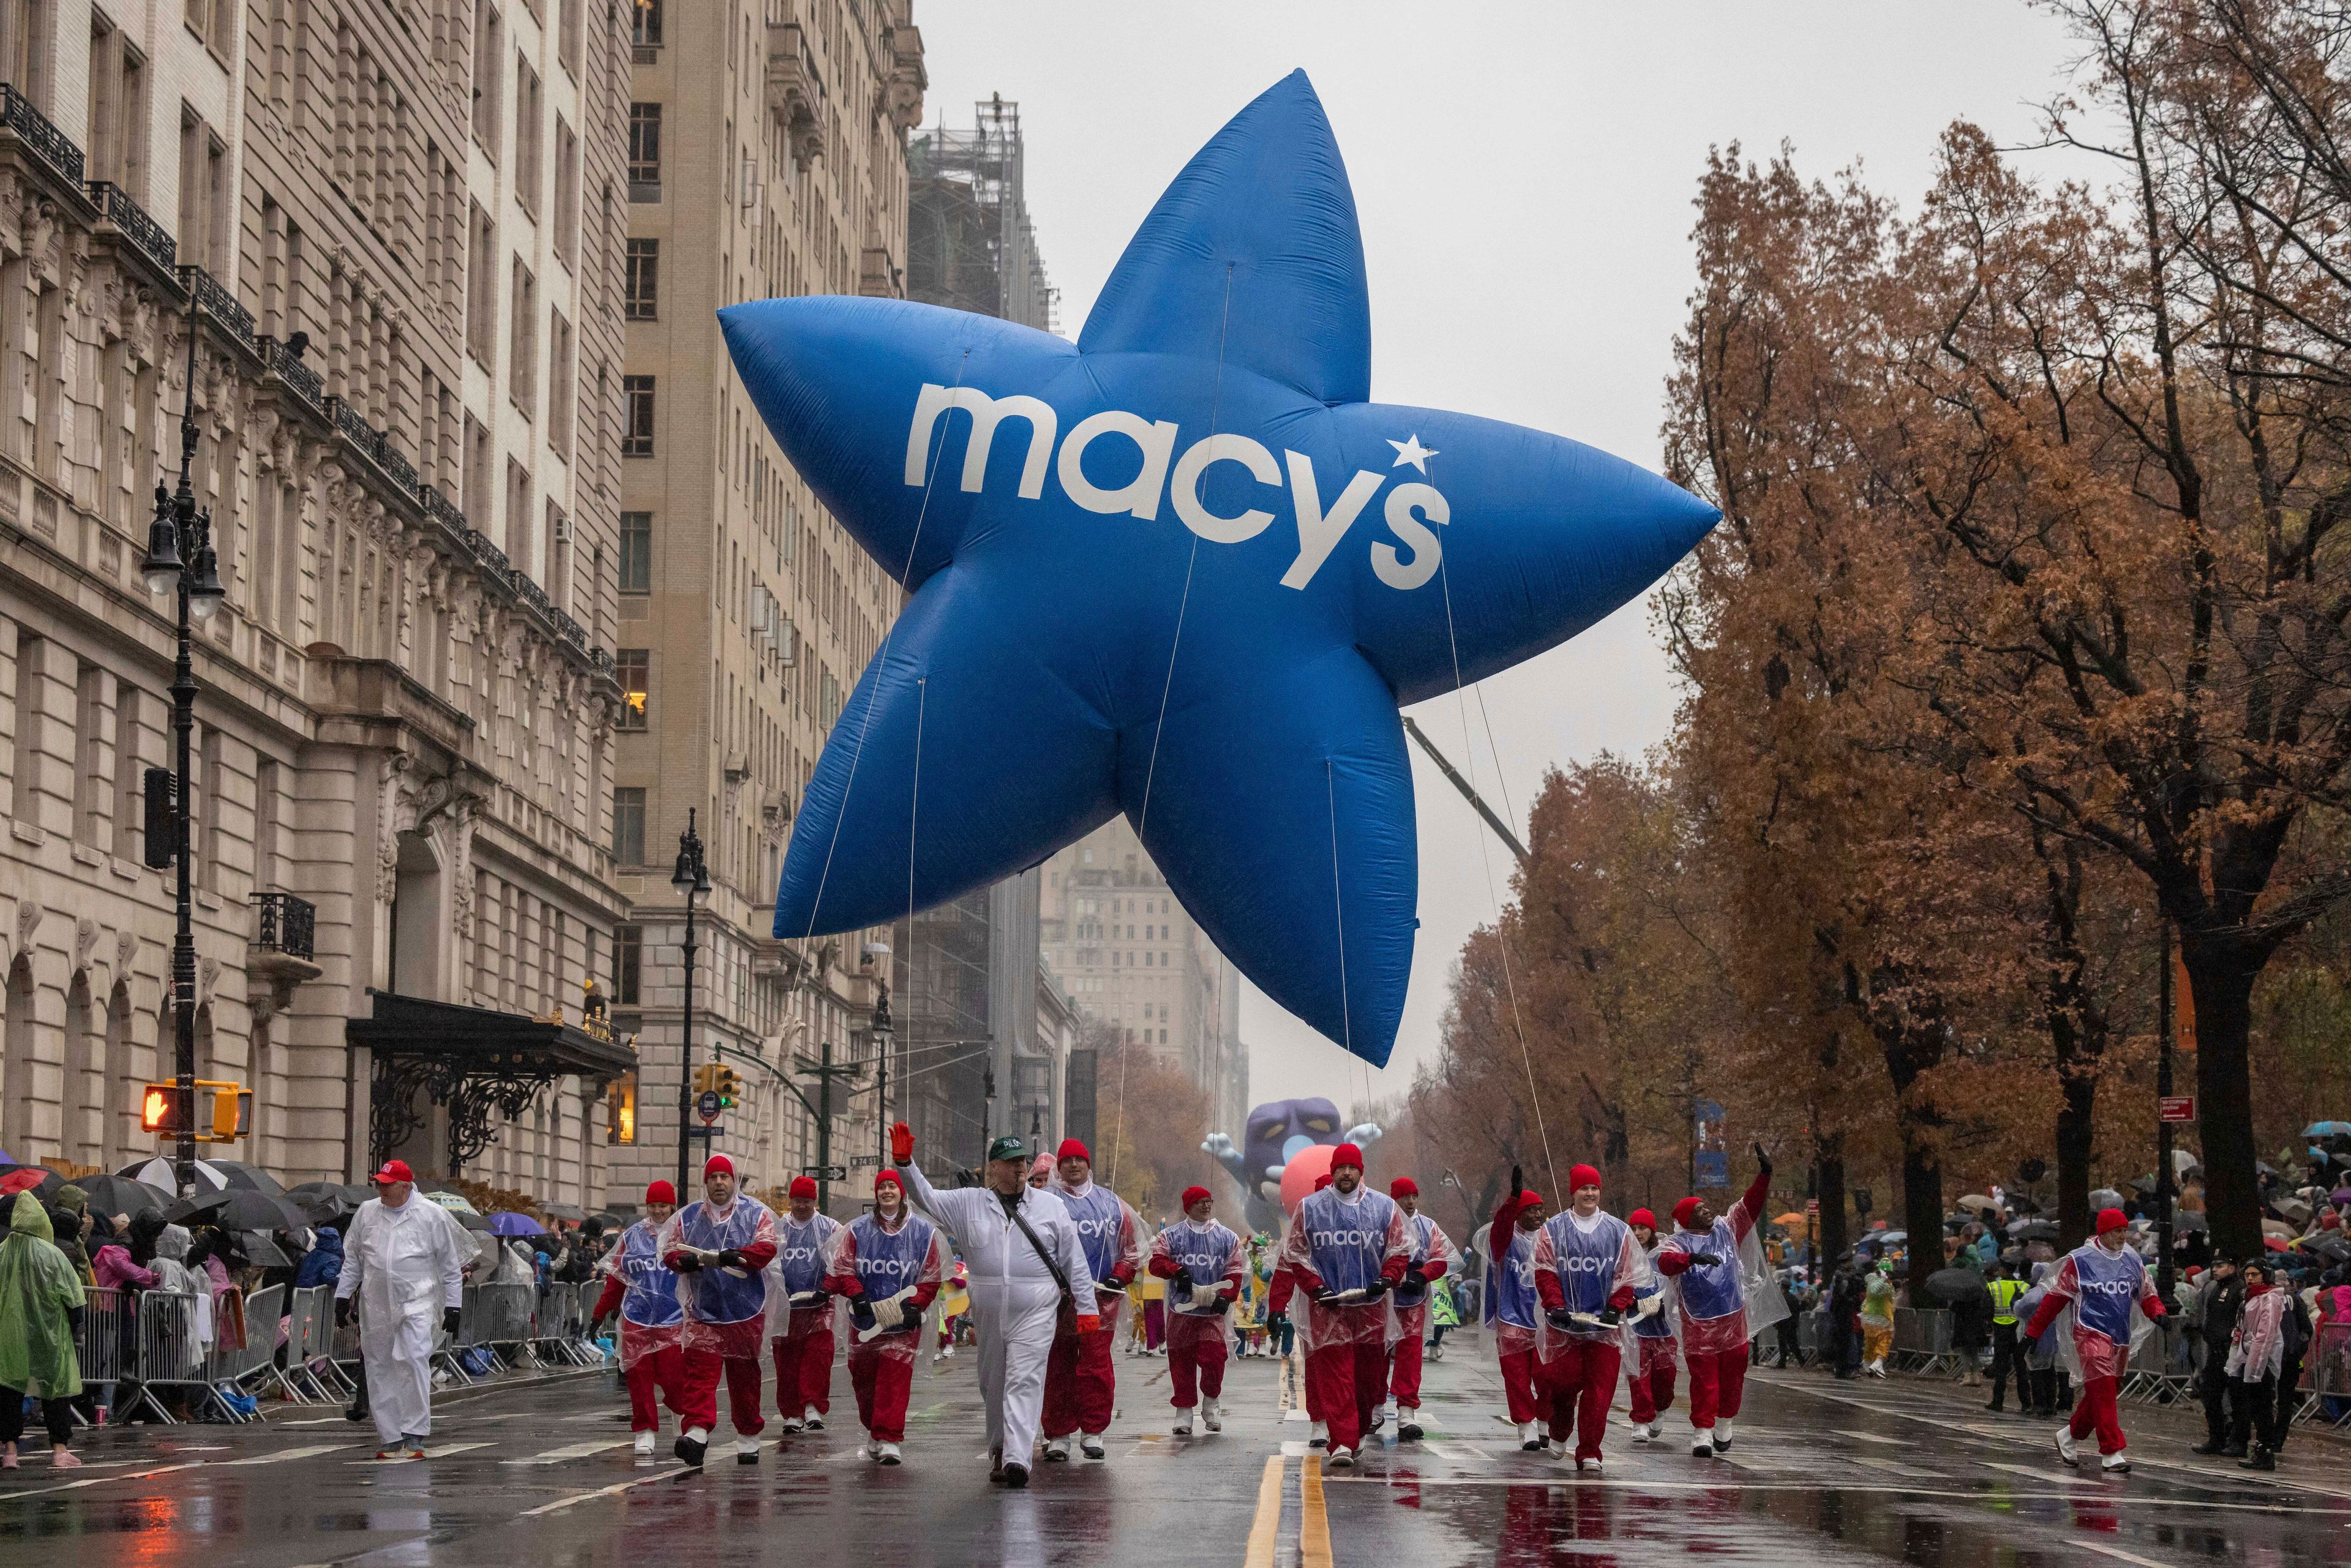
x=1485 y=858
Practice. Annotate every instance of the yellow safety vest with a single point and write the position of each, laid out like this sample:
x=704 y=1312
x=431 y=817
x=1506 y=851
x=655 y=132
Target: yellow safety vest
x=2003 y=1298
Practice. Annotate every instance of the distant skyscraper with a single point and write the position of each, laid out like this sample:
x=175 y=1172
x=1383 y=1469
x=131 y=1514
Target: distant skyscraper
x=969 y=243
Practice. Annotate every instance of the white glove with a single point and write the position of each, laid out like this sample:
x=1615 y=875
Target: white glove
x=1650 y=1306
x=887 y=1312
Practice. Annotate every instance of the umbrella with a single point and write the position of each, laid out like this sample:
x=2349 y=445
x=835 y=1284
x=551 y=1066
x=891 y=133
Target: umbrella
x=1954 y=1285
x=2276 y=1228
x=2142 y=1184
x=2336 y=1248
x=239 y=1174
x=1887 y=1237
x=163 y=1175
x=454 y=1201
x=119 y=1194
x=2340 y=1195
x=240 y=1208
x=1974 y=1201
x=263 y=1252
x=2276 y=1243
x=469 y=1220
x=340 y=1193
x=507 y=1222
x=2034 y=1231
x=565 y=1211
x=2327 y=1130
x=38 y=1180
x=2191 y=1219
x=2105 y=1197
x=1790 y=1218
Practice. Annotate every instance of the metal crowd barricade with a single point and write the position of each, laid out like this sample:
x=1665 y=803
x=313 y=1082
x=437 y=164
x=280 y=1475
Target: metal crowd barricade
x=310 y=1336
x=106 y=1343
x=556 y=1324
x=1922 y=1341
x=2325 y=1392
x=2154 y=1373
x=582 y=1347
x=170 y=1348
x=233 y=1363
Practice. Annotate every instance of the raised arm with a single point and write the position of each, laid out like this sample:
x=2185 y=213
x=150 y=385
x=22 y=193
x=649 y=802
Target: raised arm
x=1749 y=1206
x=2061 y=1287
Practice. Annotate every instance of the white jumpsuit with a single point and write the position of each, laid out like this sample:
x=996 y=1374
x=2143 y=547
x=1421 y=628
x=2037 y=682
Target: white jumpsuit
x=405 y=1265
x=1014 y=1300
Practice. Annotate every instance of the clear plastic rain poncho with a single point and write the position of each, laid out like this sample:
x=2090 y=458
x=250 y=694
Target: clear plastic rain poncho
x=1512 y=1305
x=2103 y=1325
x=651 y=1317
x=1431 y=1249
x=1211 y=1262
x=889 y=1265
x=1593 y=1259
x=1346 y=1242
x=39 y=1285
x=1722 y=1306
x=1112 y=1234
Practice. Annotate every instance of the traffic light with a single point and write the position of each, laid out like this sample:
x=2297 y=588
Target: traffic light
x=155 y=1109
x=705 y=1078
x=728 y=1084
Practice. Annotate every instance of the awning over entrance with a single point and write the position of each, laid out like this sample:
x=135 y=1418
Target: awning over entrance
x=470 y=1062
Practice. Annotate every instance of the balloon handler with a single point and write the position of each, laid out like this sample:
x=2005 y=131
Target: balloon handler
x=1588 y=1270
x=1080 y=1379
x=1022 y=1253
x=403 y=1262
x=1203 y=1264
x=644 y=1293
x=1512 y=1306
x=722 y=1244
x=1649 y=1374
x=800 y=1314
x=1713 y=1265
x=2113 y=1302
x=888 y=1265
x=1432 y=1255
x=1346 y=1249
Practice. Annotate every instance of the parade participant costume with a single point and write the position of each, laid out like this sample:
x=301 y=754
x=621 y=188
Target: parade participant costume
x=1023 y=1257
x=404 y=1265
x=1080 y=1378
x=1513 y=1312
x=1347 y=1250
x=1588 y=1270
x=888 y=1271
x=1205 y=1272
x=1432 y=1258
x=1723 y=1296
x=652 y=1318
x=722 y=1253
x=1652 y=1362
x=800 y=1316
x=2113 y=1302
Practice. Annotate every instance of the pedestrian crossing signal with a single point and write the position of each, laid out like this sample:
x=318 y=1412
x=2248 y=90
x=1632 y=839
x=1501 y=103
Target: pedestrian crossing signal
x=232 y=1111
x=155 y=1109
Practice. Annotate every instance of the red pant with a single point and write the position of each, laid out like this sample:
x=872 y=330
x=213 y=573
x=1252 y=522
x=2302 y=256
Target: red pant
x=1717 y=1379
x=699 y=1405
x=804 y=1371
x=1519 y=1386
x=1581 y=1381
x=880 y=1382
x=1197 y=1356
x=1652 y=1380
x=1347 y=1381
x=2094 y=1411
x=664 y=1370
x=1081 y=1383
x=1404 y=1372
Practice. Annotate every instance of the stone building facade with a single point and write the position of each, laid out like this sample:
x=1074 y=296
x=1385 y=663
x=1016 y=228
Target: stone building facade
x=768 y=158
x=404 y=224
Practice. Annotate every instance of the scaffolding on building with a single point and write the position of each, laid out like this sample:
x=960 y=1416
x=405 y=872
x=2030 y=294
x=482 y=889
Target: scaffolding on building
x=969 y=242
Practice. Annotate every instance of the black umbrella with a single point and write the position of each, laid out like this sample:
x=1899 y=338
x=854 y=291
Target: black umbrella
x=2335 y=1249
x=111 y=1194
x=470 y=1220
x=2034 y=1231
x=240 y=1174
x=239 y=1208
x=1954 y=1285
x=2188 y=1219
x=262 y=1251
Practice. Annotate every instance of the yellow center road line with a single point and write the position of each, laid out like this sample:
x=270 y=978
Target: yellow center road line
x=1266 y=1528
x=1314 y=1526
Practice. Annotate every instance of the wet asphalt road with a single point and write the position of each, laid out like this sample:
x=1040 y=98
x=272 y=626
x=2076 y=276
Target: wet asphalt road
x=1824 y=1473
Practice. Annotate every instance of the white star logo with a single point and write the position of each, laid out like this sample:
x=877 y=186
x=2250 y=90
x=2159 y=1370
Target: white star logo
x=1411 y=451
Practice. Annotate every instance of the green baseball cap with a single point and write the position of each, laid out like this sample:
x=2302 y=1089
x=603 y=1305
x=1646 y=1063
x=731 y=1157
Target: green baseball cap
x=1007 y=1147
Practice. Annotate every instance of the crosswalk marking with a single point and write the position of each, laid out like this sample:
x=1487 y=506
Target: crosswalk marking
x=574 y=1451
x=282 y=1455
x=559 y=1504
x=2040 y=1474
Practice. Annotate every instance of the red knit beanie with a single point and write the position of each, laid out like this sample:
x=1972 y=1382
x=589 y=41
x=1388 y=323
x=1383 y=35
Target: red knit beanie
x=1346 y=1154
x=1072 y=1149
x=1581 y=1176
x=1684 y=1210
x=1193 y=1195
x=1403 y=1187
x=2112 y=1219
x=803 y=1187
x=1642 y=1216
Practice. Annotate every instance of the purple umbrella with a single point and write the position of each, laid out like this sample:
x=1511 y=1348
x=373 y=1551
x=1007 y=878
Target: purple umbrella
x=2340 y=1195
x=507 y=1222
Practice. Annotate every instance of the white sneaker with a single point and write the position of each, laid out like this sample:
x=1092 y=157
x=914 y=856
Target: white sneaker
x=1057 y=1451
x=815 y=1419
x=1407 y=1423
x=746 y=1450
x=1703 y=1448
x=1527 y=1440
x=1210 y=1416
x=1721 y=1436
x=788 y=1424
x=1320 y=1436
x=1090 y=1444
x=1183 y=1427
x=2115 y=1464
x=1343 y=1458
x=1382 y=1416
x=870 y=1450
x=646 y=1443
x=2068 y=1450
x=887 y=1452
x=949 y=1353
x=1594 y=1463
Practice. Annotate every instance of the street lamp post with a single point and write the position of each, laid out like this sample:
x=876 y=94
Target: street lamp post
x=180 y=556
x=692 y=880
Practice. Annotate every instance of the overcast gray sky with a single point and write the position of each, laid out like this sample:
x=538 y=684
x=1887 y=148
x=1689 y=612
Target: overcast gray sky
x=1523 y=174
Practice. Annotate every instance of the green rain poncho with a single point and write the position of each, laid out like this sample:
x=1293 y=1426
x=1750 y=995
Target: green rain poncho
x=37 y=1286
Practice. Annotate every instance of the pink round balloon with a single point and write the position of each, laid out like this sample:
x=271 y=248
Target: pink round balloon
x=1299 y=1175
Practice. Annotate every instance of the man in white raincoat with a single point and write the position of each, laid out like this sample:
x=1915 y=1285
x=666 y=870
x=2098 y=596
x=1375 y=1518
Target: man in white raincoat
x=1021 y=1251
x=403 y=1260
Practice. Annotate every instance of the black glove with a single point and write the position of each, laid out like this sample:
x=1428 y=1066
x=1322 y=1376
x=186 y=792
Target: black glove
x=861 y=1312
x=807 y=1301
x=1763 y=1160
x=450 y=1318
x=342 y=1311
x=732 y=1257
x=1708 y=1259
x=1610 y=1317
x=1414 y=1276
x=1276 y=1322
x=1220 y=1304
x=1561 y=1318
x=687 y=1264
x=1377 y=1289
x=596 y=1324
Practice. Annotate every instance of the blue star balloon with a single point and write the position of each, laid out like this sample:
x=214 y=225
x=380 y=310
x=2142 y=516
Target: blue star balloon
x=1182 y=569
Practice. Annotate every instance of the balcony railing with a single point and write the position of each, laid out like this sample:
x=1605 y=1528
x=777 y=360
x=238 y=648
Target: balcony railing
x=35 y=130
x=217 y=302
x=300 y=379
x=443 y=511
x=115 y=205
x=375 y=443
x=288 y=925
x=571 y=631
x=531 y=594
x=491 y=558
x=600 y=661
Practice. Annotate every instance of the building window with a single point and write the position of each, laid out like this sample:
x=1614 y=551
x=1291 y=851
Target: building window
x=523 y=371
x=647 y=30
x=644 y=152
x=488 y=54
x=621 y=1105
x=636 y=552
x=628 y=963
x=637 y=416
x=629 y=829
x=635 y=668
x=641 y=299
